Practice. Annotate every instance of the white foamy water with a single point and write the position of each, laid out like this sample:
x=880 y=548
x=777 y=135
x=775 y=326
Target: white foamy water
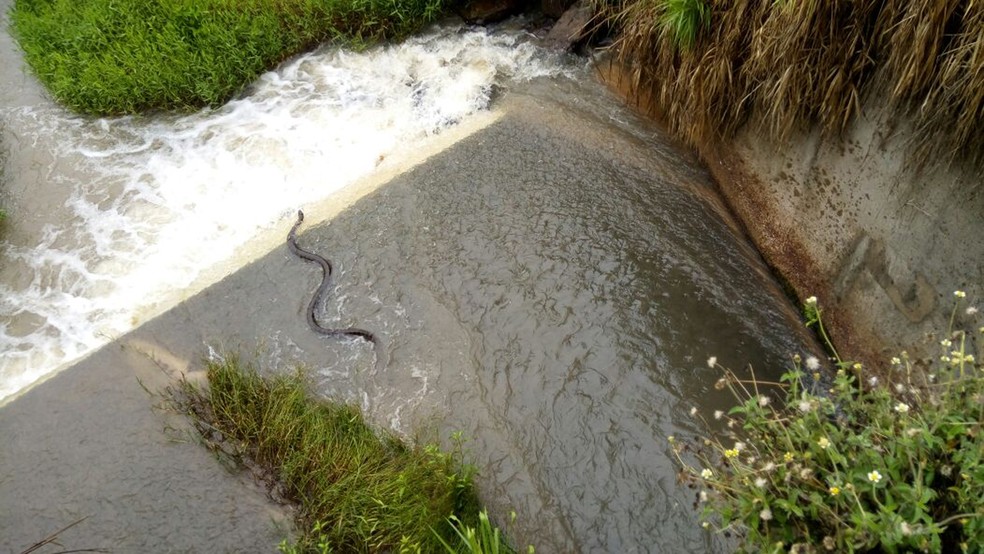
x=130 y=212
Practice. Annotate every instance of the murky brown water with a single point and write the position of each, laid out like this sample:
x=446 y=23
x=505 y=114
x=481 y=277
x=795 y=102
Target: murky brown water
x=552 y=287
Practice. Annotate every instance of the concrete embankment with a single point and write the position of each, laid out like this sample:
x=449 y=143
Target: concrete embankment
x=883 y=243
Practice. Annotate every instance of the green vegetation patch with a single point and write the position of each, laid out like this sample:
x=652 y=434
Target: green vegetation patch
x=356 y=490
x=862 y=464
x=110 y=57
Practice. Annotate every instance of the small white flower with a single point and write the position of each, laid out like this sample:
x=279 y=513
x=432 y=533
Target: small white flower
x=707 y=474
x=739 y=446
x=811 y=301
x=972 y=310
x=899 y=388
x=765 y=514
x=874 y=476
x=873 y=381
x=806 y=473
x=712 y=361
x=896 y=361
x=761 y=482
x=812 y=363
x=718 y=414
x=959 y=294
x=769 y=467
x=829 y=542
x=823 y=443
x=705 y=525
x=693 y=411
x=945 y=342
x=902 y=408
x=805 y=406
x=763 y=401
x=905 y=529
x=703 y=496
x=969 y=358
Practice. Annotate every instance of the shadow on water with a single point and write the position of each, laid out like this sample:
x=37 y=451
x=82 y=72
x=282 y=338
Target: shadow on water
x=553 y=287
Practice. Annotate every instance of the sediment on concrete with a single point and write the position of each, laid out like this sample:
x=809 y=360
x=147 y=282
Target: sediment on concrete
x=851 y=219
x=881 y=242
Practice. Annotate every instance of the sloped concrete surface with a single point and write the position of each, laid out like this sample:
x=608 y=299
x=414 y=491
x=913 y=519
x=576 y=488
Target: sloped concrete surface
x=567 y=393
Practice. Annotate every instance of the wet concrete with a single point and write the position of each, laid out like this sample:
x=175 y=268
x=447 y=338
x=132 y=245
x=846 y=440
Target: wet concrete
x=882 y=242
x=551 y=286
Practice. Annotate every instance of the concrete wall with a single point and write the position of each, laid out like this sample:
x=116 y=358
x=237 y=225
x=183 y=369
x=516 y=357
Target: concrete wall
x=881 y=243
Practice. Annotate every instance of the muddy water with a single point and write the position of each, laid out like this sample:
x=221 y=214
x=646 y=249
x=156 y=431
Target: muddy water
x=551 y=286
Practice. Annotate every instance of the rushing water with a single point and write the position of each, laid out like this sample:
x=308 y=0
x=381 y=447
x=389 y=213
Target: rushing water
x=552 y=287
x=113 y=219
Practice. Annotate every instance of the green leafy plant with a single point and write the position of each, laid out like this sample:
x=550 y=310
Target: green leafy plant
x=852 y=464
x=483 y=539
x=684 y=19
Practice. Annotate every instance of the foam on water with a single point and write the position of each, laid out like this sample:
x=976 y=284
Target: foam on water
x=150 y=203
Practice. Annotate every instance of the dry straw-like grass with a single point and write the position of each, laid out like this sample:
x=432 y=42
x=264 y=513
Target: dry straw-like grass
x=789 y=64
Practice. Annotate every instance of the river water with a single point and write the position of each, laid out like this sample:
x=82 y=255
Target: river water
x=112 y=220
x=559 y=313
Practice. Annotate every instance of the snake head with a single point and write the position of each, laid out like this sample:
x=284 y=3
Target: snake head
x=300 y=215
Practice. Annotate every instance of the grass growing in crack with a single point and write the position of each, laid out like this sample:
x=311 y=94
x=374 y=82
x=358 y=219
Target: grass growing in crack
x=356 y=490
x=111 y=57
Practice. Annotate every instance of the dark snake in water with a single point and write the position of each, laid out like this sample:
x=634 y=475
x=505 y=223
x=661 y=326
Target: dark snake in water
x=326 y=269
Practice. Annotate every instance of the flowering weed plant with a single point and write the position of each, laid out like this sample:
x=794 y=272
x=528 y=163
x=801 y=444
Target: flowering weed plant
x=849 y=464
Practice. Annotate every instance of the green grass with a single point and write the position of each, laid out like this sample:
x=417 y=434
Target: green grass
x=685 y=19
x=126 y=56
x=356 y=490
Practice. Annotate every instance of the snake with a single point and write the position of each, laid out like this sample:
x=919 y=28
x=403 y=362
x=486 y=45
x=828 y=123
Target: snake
x=326 y=270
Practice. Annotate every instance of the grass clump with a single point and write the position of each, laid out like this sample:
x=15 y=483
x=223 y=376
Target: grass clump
x=683 y=19
x=850 y=466
x=356 y=490
x=787 y=65
x=110 y=57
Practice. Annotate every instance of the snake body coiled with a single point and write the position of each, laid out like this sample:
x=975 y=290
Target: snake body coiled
x=326 y=270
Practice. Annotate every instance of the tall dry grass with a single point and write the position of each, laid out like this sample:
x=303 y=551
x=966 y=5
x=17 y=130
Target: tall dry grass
x=789 y=64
